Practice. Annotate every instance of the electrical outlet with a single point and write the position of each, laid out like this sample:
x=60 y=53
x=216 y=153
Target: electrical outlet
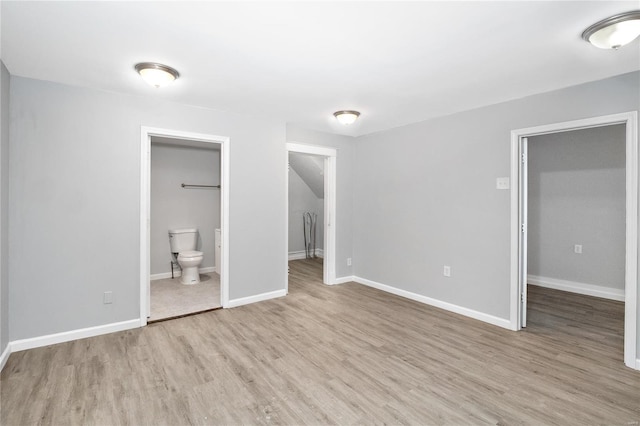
x=348 y=261
x=502 y=183
x=446 y=271
x=577 y=249
x=108 y=297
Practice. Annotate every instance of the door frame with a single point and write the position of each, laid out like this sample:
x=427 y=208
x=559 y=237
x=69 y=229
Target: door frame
x=145 y=209
x=519 y=230
x=329 y=251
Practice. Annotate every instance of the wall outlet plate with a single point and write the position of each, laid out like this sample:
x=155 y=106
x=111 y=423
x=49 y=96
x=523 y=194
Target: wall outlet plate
x=502 y=183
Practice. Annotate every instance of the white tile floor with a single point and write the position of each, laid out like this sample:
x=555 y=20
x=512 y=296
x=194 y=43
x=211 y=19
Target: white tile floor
x=170 y=299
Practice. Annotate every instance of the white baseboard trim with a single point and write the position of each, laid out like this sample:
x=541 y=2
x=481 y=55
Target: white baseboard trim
x=575 y=287
x=638 y=364
x=301 y=254
x=500 y=322
x=52 y=339
x=257 y=298
x=343 y=280
x=177 y=273
x=5 y=356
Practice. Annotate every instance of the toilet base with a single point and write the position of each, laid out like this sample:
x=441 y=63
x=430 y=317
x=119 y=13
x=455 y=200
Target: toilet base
x=190 y=276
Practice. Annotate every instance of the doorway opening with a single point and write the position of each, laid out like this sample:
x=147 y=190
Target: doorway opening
x=311 y=206
x=576 y=237
x=183 y=221
x=520 y=223
x=185 y=216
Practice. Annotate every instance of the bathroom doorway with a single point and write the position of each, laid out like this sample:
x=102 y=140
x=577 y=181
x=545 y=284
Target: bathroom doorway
x=311 y=208
x=183 y=198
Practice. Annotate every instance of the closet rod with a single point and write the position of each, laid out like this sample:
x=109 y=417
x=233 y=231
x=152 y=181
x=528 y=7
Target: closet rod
x=187 y=185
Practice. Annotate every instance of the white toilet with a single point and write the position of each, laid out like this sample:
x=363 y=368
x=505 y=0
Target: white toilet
x=183 y=246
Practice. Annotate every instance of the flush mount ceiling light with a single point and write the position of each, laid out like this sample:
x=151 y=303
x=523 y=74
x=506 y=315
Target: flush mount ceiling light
x=157 y=75
x=346 y=117
x=614 y=32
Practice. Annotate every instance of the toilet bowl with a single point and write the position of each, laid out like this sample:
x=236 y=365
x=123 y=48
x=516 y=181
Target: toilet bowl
x=183 y=243
x=189 y=262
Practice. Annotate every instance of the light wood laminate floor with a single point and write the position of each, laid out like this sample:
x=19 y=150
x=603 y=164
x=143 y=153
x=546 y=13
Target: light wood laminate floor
x=344 y=354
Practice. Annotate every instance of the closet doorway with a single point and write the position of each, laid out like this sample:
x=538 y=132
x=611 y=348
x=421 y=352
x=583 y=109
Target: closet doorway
x=184 y=185
x=520 y=222
x=310 y=206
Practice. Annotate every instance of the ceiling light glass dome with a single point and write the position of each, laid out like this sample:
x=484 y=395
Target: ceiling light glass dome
x=157 y=75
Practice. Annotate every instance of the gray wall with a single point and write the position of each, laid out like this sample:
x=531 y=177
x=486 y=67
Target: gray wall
x=344 y=190
x=412 y=198
x=425 y=194
x=4 y=206
x=301 y=200
x=75 y=202
x=174 y=207
x=577 y=196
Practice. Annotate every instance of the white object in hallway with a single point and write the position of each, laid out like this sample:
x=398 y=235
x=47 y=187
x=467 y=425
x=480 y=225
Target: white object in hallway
x=183 y=247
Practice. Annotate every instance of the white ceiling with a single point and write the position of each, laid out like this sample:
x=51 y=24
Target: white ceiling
x=396 y=62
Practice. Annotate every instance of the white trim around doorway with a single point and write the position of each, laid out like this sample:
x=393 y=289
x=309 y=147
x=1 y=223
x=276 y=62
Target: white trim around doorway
x=630 y=119
x=145 y=170
x=329 y=249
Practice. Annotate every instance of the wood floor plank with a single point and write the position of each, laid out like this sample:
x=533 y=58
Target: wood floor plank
x=346 y=354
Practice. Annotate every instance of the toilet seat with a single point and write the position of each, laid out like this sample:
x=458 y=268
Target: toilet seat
x=189 y=254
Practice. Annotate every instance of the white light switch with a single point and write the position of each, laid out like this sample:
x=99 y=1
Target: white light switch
x=502 y=183
x=446 y=271
x=577 y=249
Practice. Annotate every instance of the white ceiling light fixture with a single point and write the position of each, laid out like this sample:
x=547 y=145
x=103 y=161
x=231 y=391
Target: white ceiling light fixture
x=346 y=117
x=614 y=32
x=157 y=75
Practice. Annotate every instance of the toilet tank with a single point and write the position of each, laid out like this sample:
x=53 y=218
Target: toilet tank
x=183 y=239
